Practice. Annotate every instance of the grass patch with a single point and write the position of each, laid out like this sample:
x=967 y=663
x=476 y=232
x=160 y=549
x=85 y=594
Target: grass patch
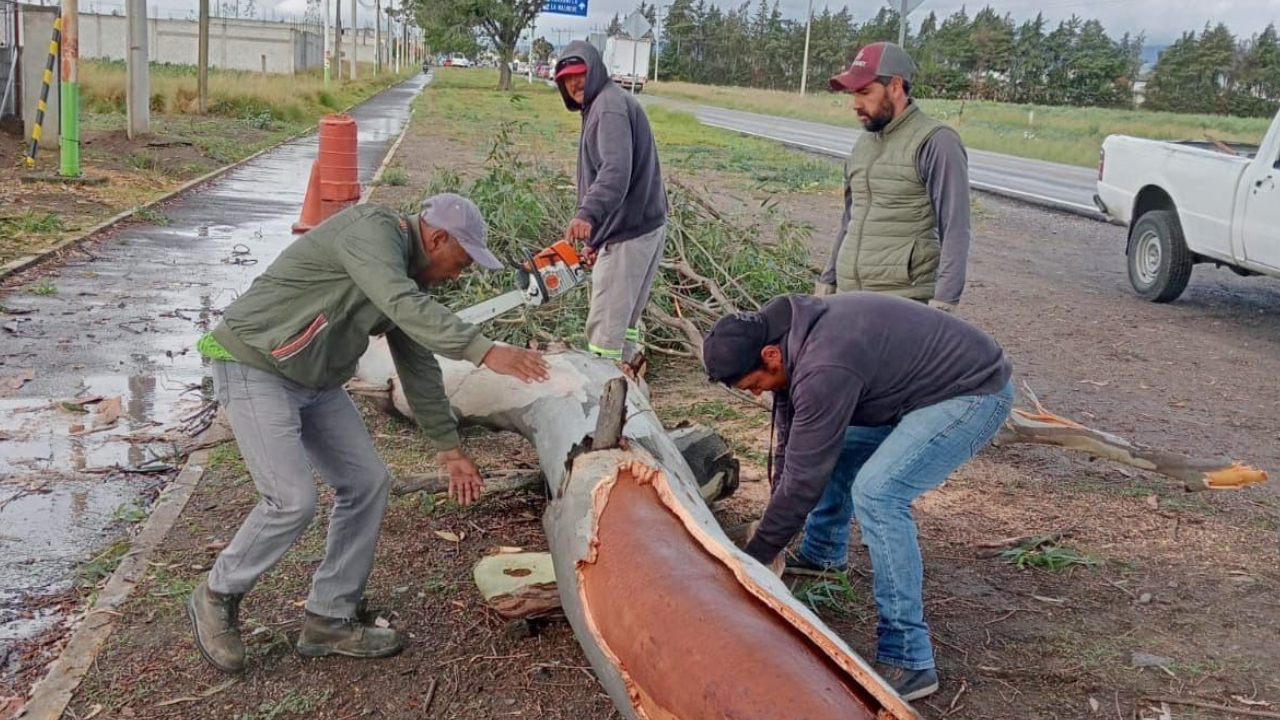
x=832 y=594
x=718 y=410
x=294 y=703
x=151 y=216
x=1048 y=557
x=129 y=513
x=467 y=103
x=395 y=177
x=31 y=223
x=226 y=461
x=44 y=288
x=1068 y=135
x=256 y=99
x=100 y=566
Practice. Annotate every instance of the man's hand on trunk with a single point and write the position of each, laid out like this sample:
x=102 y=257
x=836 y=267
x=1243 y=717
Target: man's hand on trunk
x=528 y=365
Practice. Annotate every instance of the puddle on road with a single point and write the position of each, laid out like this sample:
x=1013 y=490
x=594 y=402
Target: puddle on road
x=124 y=324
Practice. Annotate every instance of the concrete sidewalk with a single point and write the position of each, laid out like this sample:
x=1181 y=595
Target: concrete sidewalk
x=122 y=320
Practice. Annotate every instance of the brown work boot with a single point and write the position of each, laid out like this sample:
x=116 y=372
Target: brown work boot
x=215 y=619
x=346 y=636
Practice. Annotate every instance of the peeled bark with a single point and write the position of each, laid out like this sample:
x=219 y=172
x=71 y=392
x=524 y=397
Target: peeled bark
x=676 y=621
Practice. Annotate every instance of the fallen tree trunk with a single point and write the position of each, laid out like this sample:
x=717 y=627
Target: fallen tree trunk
x=1042 y=427
x=677 y=622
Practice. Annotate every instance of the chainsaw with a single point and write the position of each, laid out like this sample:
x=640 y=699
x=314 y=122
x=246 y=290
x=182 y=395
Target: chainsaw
x=543 y=277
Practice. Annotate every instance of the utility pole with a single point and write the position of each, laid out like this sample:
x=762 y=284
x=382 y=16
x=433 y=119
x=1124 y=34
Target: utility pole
x=533 y=34
x=657 y=37
x=377 y=37
x=138 y=104
x=902 y=24
x=69 y=136
x=354 y=32
x=202 y=59
x=337 y=39
x=327 y=39
x=804 y=67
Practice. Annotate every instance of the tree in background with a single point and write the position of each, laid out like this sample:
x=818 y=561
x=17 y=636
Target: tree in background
x=615 y=26
x=456 y=26
x=542 y=50
x=986 y=56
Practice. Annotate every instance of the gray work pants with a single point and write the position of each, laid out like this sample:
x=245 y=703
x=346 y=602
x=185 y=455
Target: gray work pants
x=620 y=284
x=284 y=430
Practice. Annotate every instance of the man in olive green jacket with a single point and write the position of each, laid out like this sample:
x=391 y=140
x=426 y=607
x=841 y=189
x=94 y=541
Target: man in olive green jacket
x=905 y=229
x=280 y=358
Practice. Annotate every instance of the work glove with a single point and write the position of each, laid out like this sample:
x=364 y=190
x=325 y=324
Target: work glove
x=945 y=307
x=820 y=288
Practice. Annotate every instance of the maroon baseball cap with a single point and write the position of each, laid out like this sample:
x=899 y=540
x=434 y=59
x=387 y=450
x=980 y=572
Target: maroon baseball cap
x=882 y=59
x=570 y=66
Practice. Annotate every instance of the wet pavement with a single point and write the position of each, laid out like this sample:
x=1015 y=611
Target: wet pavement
x=122 y=323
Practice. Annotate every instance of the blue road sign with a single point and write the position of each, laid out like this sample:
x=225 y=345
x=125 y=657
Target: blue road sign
x=566 y=7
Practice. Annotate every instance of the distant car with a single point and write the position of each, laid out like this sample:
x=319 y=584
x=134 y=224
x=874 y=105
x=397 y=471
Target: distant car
x=448 y=62
x=543 y=71
x=460 y=62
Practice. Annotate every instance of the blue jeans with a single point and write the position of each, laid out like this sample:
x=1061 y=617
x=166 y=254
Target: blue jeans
x=880 y=471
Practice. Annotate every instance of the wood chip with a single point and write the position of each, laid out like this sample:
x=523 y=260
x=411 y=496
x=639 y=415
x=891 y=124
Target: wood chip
x=447 y=535
x=109 y=412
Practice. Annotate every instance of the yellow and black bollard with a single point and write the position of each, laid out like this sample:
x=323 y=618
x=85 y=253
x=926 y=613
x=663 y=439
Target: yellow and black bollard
x=37 y=131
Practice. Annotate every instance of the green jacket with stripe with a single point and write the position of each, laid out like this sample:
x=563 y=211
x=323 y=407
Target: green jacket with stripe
x=309 y=316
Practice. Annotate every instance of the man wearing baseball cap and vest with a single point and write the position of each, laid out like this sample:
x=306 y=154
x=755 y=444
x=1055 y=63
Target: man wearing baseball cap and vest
x=280 y=358
x=622 y=206
x=905 y=228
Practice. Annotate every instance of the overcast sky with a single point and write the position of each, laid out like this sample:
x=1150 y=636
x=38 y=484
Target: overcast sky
x=1162 y=20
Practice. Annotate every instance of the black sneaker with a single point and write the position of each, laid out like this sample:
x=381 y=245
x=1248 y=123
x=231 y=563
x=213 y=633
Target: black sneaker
x=910 y=684
x=798 y=564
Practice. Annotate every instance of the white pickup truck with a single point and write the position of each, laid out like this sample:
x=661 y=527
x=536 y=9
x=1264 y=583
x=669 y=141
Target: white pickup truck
x=1193 y=202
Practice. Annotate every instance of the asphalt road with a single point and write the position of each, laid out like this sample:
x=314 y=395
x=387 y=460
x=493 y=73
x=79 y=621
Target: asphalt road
x=1063 y=187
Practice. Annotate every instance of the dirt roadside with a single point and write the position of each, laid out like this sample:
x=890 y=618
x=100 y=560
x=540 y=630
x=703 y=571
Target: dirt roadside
x=1190 y=580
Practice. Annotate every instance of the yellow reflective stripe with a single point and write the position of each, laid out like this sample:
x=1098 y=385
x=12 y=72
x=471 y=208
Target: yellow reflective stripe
x=36 y=133
x=633 y=334
x=609 y=354
x=41 y=106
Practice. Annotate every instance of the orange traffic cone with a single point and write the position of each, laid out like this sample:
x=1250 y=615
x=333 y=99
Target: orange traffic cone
x=335 y=174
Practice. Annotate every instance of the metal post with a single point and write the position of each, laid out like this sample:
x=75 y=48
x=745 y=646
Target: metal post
x=354 y=32
x=69 y=140
x=657 y=38
x=337 y=39
x=327 y=40
x=635 y=48
x=202 y=60
x=902 y=24
x=533 y=34
x=37 y=132
x=138 y=101
x=804 y=67
x=377 y=37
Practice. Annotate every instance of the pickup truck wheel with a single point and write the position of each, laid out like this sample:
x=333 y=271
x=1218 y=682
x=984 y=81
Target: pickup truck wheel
x=1159 y=261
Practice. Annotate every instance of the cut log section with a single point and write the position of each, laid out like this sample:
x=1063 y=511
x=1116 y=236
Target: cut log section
x=677 y=623
x=1042 y=427
x=518 y=585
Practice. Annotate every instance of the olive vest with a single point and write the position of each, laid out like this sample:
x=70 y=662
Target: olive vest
x=891 y=244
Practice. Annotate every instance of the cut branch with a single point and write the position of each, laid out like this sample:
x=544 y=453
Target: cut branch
x=1041 y=427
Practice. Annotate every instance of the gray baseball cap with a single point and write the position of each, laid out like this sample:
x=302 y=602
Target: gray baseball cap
x=461 y=218
x=881 y=59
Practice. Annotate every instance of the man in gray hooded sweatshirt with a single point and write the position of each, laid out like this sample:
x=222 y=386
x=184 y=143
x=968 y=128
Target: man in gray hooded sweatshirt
x=622 y=207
